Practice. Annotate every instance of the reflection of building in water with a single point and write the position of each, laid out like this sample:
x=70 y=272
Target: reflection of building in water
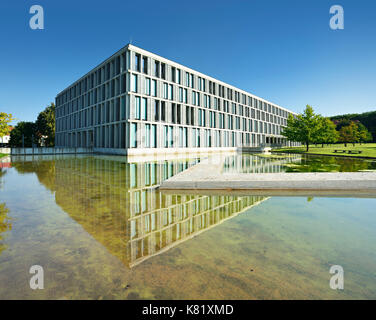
x=119 y=205
x=258 y=163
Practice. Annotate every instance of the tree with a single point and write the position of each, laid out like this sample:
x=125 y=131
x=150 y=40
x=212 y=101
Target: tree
x=303 y=128
x=45 y=125
x=363 y=134
x=23 y=135
x=342 y=123
x=5 y=119
x=368 y=119
x=327 y=132
x=349 y=133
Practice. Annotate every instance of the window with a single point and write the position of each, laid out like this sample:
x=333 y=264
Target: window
x=187 y=79
x=153 y=137
x=194 y=138
x=181 y=97
x=138 y=108
x=165 y=90
x=163 y=111
x=156 y=69
x=165 y=136
x=123 y=83
x=178 y=113
x=173 y=113
x=208 y=138
x=229 y=122
x=185 y=137
x=181 y=137
x=163 y=71
x=145 y=65
x=212 y=121
x=178 y=76
x=147 y=135
x=156 y=110
x=134 y=83
x=154 y=88
x=170 y=91
x=133 y=135
x=185 y=96
x=173 y=74
x=144 y=108
x=147 y=86
x=171 y=136
x=137 y=65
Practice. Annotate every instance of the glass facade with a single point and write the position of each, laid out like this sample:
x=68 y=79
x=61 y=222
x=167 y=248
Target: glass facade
x=168 y=103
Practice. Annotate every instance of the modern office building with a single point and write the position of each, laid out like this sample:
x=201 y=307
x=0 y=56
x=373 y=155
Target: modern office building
x=137 y=102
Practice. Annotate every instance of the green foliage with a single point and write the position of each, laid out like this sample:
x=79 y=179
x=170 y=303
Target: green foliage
x=45 y=125
x=327 y=132
x=368 y=119
x=363 y=134
x=5 y=119
x=368 y=150
x=25 y=129
x=349 y=133
x=34 y=132
x=304 y=127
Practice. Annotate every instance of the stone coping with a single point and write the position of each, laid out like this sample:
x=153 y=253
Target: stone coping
x=207 y=175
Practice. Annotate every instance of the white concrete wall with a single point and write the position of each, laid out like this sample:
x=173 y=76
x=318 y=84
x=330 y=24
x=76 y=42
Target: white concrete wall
x=4 y=139
x=42 y=151
x=5 y=150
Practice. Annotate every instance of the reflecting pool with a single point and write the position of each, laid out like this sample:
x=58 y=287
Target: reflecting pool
x=101 y=229
x=274 y=162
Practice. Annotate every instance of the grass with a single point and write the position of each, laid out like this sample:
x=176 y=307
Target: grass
x=368 y=150
x=2 y=155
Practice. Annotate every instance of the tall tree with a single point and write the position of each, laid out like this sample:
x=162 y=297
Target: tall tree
x=363 y=134
x=327 y=132
x=23 y=134
x=368 y=119
x=5 y=119
x=303 y=128
x=349 y=133
x=45 y=125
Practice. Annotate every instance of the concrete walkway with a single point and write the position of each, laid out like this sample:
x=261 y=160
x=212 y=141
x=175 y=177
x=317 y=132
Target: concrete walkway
x=208 y=175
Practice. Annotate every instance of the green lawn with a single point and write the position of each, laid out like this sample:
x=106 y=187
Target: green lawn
x=368 y=150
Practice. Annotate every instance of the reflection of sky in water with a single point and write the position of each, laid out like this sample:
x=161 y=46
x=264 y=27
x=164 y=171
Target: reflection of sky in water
x=100 y=229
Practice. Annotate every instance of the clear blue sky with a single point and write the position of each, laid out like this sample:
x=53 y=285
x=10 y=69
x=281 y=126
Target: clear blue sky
x=283 y=51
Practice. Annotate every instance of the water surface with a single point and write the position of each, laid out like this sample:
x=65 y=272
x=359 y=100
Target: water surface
x=274 y=162
x=101 y=230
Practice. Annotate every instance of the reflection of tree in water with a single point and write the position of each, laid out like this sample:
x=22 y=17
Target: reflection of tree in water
x=327 y=164
x=5 y=224
x=2 y=173
x=45 y=171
